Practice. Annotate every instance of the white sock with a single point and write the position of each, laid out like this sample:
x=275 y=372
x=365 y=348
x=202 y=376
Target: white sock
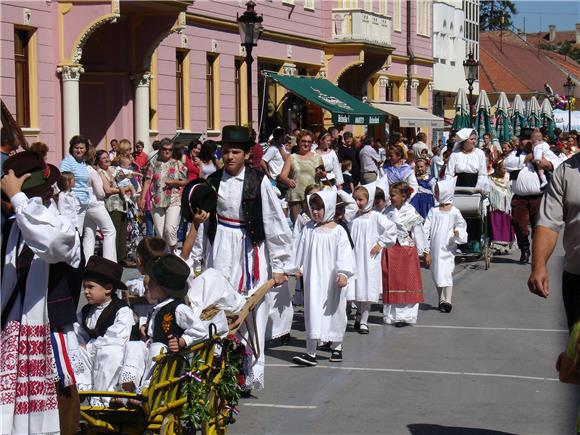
x=364 y=312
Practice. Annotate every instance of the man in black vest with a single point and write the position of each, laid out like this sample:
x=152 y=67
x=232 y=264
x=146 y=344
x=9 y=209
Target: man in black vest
x=248 y=237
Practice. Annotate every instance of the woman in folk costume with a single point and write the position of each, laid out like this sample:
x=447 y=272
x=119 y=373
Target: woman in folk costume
x=248 y=237
x=103 y=329
x=423 y=200
x=500 y=200
x=444 y=228
x=327 y=262
x=34 y=242
x=402 y=285
x=371 y=231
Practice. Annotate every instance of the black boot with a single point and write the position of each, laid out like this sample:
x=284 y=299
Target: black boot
x=525 y=257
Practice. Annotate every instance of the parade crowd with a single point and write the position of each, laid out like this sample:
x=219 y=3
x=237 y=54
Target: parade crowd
x=206 y=224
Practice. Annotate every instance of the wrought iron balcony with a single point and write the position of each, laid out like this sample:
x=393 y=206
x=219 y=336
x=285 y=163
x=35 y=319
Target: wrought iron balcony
x=361 y=26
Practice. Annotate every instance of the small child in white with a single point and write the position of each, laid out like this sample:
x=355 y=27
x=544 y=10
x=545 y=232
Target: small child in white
x=327 y=261
x=104 y=327
x=542 y=151
x=445 y=228
x=68 y=204
x=371 y=231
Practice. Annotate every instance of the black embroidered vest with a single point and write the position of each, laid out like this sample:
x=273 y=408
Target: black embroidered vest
x=64 y=285
x=166 y=323
x=251 y=204
x=105 y=320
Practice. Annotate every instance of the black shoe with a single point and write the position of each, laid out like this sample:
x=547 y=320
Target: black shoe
x=525 y=257
x=285 y=339
x=446 y=307
x=356 y=325
x=305 y=360
x=363 y=329
x=401 y=324
x=325 y=347
x=246 y=394
x=335 y=356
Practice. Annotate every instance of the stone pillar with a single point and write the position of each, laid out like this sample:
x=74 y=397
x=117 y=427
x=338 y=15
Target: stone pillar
x=141 y=116
x=70 y=75
x=383 y=86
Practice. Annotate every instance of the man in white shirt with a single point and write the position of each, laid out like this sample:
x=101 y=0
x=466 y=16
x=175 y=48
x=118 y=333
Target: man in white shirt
x=420 y=145
x=369 y=163
x=527 y=193
x=274 y=157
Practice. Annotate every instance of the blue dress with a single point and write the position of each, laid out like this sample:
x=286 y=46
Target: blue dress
x=424 y=200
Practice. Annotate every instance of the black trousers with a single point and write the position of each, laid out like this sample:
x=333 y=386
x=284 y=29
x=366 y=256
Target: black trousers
x=571 y=295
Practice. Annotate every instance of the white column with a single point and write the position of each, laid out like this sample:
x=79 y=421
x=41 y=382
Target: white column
x=142 y=82
x=70 y=75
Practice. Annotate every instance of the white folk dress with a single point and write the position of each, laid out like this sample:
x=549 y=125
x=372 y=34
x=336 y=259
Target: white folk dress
x=322 y=254
x=28 y=402
x=103 y=356
x=439 y=227
x=230 y=254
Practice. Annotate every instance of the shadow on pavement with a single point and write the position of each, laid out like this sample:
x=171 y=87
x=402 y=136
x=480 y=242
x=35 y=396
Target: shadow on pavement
x=436 y=429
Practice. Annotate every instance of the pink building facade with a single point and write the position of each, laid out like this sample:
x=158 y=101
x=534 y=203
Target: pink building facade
x=144 y=70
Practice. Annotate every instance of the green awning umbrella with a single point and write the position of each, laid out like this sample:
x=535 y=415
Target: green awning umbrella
x=519 y=119
x=503 y=127
x=461 y=105
x=547 y=117
x=533 y=113
x=482 y=122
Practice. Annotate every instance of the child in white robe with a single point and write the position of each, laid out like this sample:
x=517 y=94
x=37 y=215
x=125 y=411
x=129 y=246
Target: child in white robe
x=402 y=284
x=444 y=228
x=326 y=258
x=68 y=204
x=104 y=327
x=371 y=231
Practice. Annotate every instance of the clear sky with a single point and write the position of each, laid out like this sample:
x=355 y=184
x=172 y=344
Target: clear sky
x=540 y=14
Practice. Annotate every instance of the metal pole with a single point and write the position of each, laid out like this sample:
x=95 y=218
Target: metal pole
x=470 y=105
x=249 y=61
x=569 y=114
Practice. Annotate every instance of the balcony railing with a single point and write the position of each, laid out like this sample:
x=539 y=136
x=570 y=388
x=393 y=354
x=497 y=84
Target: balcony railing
x=361 y=25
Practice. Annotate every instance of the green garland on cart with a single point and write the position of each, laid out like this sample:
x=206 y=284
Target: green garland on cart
x=197 y=386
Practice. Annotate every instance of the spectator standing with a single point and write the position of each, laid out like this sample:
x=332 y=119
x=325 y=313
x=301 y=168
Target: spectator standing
x=168 y=176
x=420 y=145
x=192 y=160
x=139 y=156
x=349 y=151
x=113 y=151
x=75 y=163
x=209 y=162
x=332 y=173
x=560 y=208
x=369 y=163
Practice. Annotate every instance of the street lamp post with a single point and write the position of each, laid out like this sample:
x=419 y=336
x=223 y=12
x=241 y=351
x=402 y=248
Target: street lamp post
x=250 y=27
x=471 y=67
x=569 y=87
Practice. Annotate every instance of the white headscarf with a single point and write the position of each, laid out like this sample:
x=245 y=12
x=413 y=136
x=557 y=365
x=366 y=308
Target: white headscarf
x=370 y=188
x=328 y=197
x=446 y=190
x=462 y=136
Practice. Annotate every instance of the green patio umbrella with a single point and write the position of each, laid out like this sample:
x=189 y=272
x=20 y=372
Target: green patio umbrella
x=533 y=113
x=519 y=119
x=482 y=122
x=547 y=118
x=503 y=127
x=461 y=105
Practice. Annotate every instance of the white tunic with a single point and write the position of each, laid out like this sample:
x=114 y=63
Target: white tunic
x=52 y=239
x=439 y=227
x=474 y=162
x=366 y=230
x=331 y=166
x=102 y=356
x=323 y=254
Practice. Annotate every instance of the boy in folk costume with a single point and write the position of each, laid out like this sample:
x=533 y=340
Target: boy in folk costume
x=104 y=327
x=444 y=228
x=325 y=256
x=371 y=231
x=247 y=229
x=402 y=284
x=38 y=246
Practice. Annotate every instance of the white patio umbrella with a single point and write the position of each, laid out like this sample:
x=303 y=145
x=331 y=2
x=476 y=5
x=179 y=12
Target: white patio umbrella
x=503 y=128
x=482 y=116
x=519 y=119
x=461 y=105
x=534 y=113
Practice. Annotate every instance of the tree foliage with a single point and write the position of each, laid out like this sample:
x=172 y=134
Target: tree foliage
x=491 y=13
